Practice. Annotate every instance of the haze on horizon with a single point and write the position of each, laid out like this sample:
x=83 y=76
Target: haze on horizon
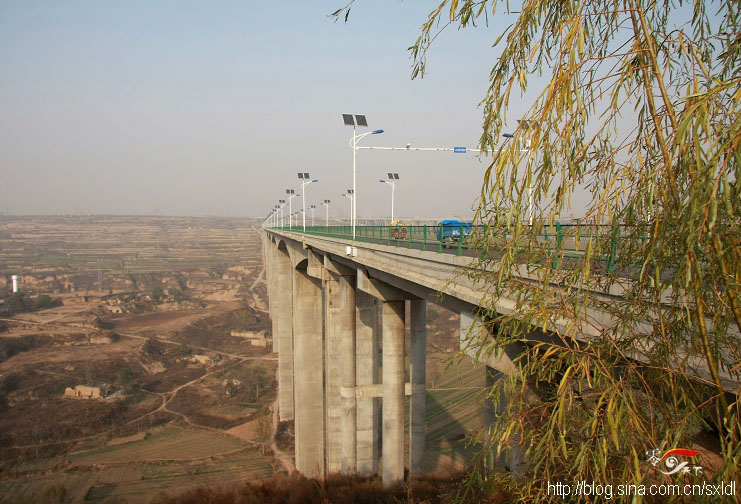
x=189 y=108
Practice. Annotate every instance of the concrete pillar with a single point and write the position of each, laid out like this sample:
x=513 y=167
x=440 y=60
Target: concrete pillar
x=340 y=372
x=268 y=254
x=348 y=418
x=309 y=374
x=418 y=365
x=366 y=373
x=281 y=314
x=393 y=393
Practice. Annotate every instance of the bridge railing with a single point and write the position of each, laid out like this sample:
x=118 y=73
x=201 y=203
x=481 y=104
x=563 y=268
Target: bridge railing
x=561 y=243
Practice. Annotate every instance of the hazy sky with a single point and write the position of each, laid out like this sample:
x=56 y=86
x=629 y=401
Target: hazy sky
x=212 y=107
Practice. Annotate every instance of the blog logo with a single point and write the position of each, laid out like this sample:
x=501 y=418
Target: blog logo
x=674 y=461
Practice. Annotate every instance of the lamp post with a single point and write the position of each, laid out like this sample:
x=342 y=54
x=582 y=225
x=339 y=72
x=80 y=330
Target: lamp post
x=357 y=120
x=526 y=125
x=305 y=180
x=350 y=196
x=282 y=204
x=326 y=203
x=313 y=207
x=291 y=195
x=392 y=178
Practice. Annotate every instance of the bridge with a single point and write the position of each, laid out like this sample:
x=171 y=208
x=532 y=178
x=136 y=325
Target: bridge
x=326 y=291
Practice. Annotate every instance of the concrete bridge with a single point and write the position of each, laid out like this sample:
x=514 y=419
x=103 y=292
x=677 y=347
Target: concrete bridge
x=326 y=292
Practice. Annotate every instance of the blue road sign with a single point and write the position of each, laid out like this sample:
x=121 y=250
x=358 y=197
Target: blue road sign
x=459 y=150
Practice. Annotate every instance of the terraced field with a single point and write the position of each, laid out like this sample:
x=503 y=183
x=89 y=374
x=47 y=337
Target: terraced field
x=176 y=478
x=169 y=443
x=78 y=248
x=170 y=460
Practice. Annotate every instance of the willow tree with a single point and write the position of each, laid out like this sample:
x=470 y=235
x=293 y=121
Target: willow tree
x=637 y=307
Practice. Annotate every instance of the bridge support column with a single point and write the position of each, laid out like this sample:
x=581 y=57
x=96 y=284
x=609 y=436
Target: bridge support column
x=366 y=351
x=393 y=393
x=309 y=368
x=268 y=254
x=418 y=364
x=340 y=368
x=281 y=313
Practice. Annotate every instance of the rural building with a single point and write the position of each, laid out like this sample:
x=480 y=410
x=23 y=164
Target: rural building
x=201 y=359
x=256 y=339
x=87 y=392
x=83 y=392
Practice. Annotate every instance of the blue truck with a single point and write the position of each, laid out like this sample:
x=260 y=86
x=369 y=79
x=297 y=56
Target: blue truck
x=449 y=231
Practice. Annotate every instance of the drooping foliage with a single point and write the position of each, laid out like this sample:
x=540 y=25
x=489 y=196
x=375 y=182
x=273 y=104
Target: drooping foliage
x=628 y=322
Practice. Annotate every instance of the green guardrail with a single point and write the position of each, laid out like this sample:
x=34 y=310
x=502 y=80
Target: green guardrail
x=561 y=241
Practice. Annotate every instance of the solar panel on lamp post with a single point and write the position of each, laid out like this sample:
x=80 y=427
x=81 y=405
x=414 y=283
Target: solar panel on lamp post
x=326 y=203
x=355 y=121
x=391 y=181
x=305 y=180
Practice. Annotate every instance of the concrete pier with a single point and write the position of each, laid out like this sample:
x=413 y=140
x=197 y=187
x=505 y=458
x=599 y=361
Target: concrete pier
x=282 y=317
x=393 y=393
x=339 y=373
x=309 y=369
x=418 y=365
x=366 y=351
x=340 y=329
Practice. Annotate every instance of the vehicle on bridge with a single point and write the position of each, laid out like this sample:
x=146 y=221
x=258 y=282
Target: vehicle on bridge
x=449 y=231
x=398 y=230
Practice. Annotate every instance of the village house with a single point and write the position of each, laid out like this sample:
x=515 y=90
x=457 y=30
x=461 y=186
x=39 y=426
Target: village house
x=88 y=392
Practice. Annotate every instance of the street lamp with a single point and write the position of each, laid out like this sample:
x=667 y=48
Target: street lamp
x=313 y=207
x=305 y=180
x=350 y=196
x=391 y=181
x=358 y=120
x=291 y=195
x=326 y=203
x=282 y=204
x=525 y=124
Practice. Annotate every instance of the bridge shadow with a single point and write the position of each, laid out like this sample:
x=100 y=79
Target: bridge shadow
x=447 y=443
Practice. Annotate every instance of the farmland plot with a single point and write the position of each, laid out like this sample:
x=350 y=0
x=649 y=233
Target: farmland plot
x=141 y=482
x=169 y=443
